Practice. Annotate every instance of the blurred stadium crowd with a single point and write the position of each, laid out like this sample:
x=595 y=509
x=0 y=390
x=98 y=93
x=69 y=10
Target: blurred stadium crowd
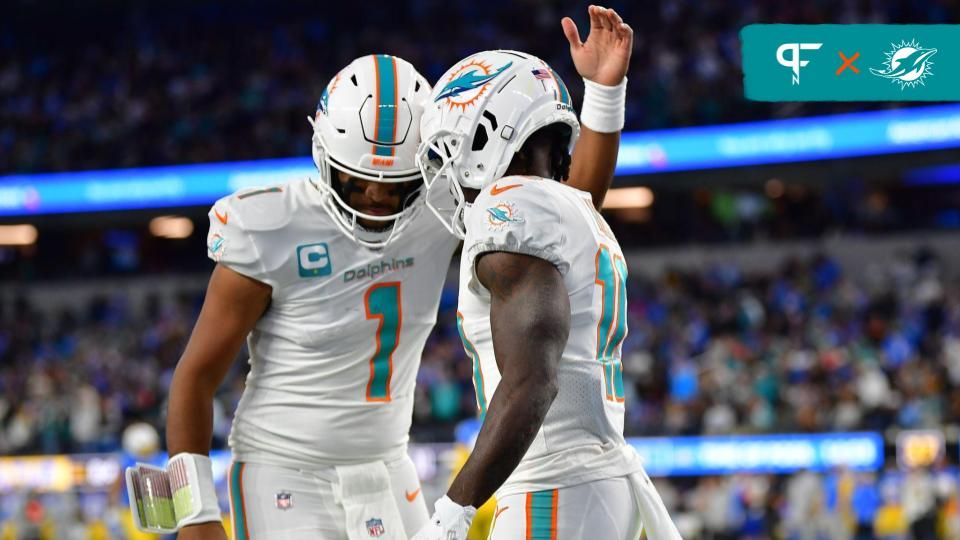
x=805 y=349
x=111 y=84
x=891 y=504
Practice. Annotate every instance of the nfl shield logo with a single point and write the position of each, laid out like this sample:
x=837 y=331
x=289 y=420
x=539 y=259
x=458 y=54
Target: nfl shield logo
x=284 y=501
x=375 y=528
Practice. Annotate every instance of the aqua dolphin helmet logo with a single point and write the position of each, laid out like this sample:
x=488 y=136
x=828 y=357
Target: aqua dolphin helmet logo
x=907 y=64
x=468 y=82
x=322 y=105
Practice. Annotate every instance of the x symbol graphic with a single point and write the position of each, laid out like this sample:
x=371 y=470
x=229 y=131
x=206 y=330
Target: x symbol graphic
x=848 y=62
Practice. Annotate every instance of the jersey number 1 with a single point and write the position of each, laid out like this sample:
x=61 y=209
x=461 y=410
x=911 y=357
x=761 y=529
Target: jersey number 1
x=382 y=302
x=612 y=328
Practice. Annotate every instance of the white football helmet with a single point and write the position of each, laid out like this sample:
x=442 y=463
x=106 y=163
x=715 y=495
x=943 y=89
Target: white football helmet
x=367 y=124
x=479 y=115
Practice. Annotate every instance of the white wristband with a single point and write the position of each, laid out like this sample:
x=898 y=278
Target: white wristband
x=193 y=473
x=603 y=106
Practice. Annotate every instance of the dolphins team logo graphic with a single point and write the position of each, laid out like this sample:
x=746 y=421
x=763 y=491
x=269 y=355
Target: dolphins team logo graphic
x=502 y=215
x=468 y=82
x=325 y=96
x=907 y=64
x=215 y=245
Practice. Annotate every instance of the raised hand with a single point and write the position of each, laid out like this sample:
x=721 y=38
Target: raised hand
x=605 y=56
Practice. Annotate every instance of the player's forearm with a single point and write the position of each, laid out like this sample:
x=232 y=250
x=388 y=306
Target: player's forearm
x=530 y=323
x=189 y=413
x=233 y=304
x=513 y=419
x=593 y=163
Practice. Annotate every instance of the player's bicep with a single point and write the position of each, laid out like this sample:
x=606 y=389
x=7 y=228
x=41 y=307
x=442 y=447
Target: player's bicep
x=232 y=306
x=529 y=313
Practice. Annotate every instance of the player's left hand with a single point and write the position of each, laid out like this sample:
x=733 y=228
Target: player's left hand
x=605 y=56
x=450 y=521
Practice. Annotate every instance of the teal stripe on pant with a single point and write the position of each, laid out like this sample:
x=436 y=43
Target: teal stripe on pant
x=540 y=516
x=236 y=500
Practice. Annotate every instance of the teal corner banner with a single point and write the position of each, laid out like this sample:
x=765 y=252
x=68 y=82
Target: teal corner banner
x=851 y=62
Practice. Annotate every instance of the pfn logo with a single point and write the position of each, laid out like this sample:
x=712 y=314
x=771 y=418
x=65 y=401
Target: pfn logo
x=794 y=62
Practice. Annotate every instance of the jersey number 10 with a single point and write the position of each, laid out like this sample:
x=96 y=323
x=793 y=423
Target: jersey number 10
x=382 y=302
x=612 y=328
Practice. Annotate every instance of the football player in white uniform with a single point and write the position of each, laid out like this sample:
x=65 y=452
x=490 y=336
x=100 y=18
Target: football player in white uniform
x=334 y=283
x=542 y=313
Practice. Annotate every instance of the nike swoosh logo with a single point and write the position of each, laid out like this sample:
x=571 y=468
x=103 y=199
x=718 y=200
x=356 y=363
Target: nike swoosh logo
x=496 y=190
x=411 y=496
x=500 y=511
x=221 y=217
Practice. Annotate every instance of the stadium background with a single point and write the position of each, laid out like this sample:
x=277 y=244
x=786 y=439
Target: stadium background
x=799 y=279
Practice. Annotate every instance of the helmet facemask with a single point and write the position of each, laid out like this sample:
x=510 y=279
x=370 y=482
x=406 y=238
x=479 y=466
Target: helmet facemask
x=436 y=158
x=345 y=216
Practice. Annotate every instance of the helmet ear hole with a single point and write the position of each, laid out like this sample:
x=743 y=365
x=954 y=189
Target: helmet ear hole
x=480 y=139
x=559 y=151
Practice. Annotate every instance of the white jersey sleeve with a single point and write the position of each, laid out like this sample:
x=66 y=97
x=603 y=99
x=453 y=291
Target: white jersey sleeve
x=516 y=215
x=241 y=228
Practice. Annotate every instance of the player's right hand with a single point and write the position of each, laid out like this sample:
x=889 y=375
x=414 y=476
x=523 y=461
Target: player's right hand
x=605 y=56
x=204 y=531
x=450 y=521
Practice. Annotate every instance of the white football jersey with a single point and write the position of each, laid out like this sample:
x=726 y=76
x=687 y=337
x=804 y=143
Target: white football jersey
x=334 y=359
x=581 y=439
